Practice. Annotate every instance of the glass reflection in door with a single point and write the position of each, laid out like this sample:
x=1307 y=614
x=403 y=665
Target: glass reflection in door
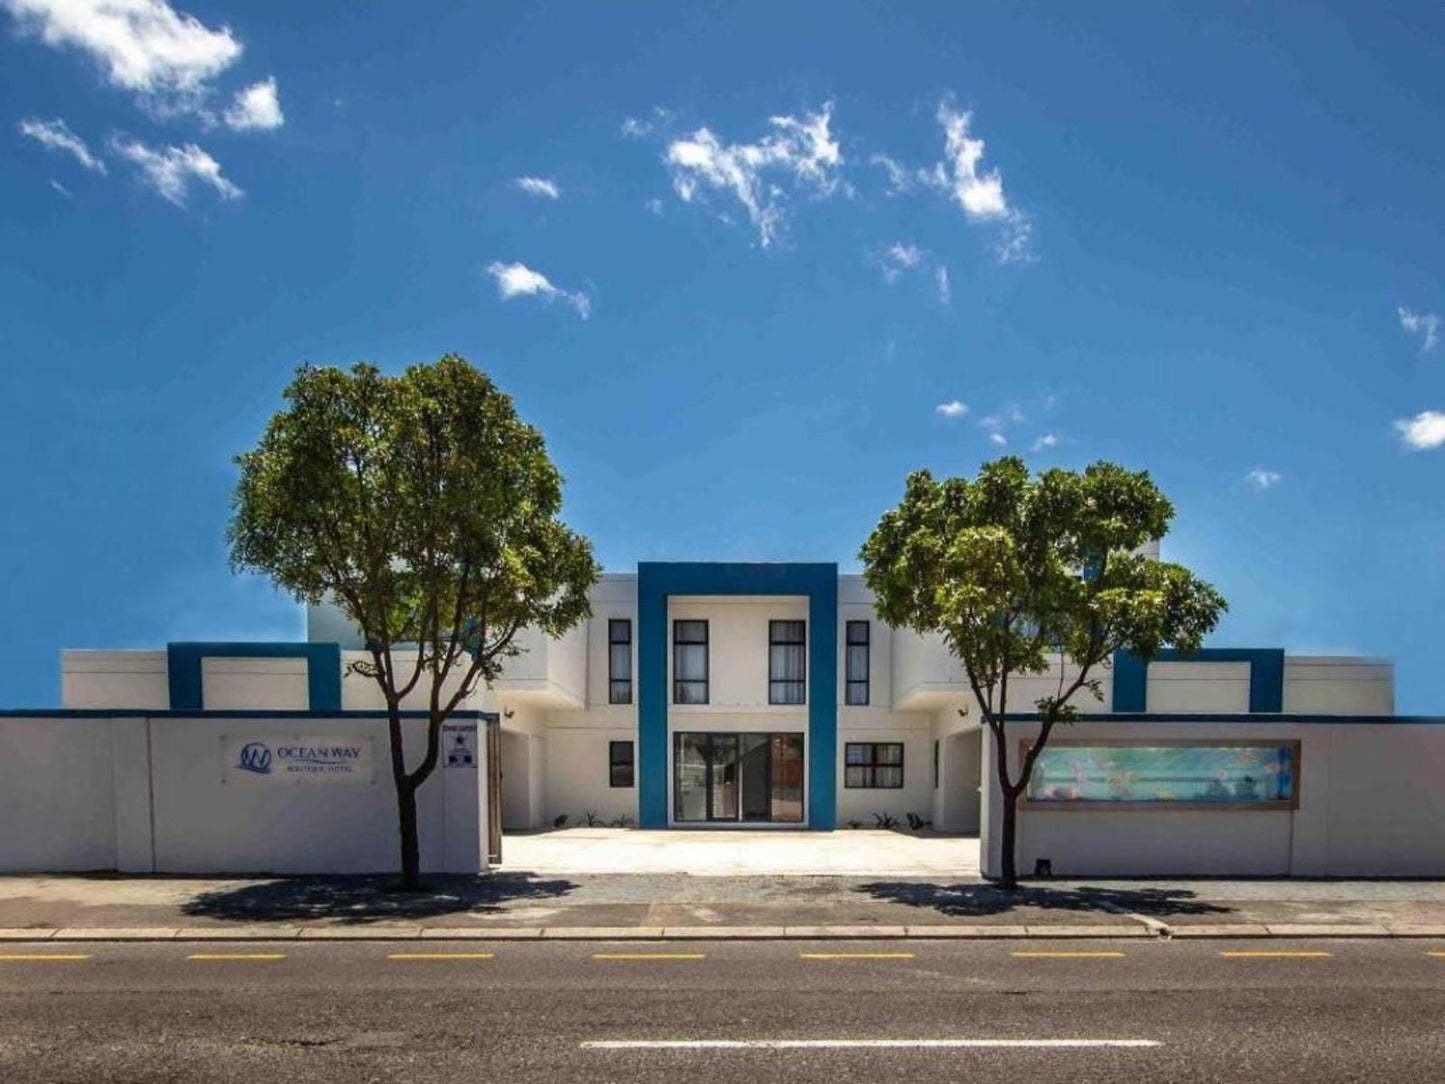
x=737 y=777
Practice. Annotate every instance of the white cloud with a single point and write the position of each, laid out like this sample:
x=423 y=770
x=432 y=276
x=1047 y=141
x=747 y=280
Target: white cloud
x=539 y=186
x=803 y=149
x=1424 y=324
x=61 y=189
x=998 y=438
x=257 y=107
x=954 y=408
x=637 y=127
x=57 y=136
x=144 y=46
x=1048 y=440
x=655 y=206
x=897 y=258
x=1425 y=430
x=172 y=170
x=978 y=192
x=940 y=279
x=995 y=424
x=1262 y=479
x=519 y=280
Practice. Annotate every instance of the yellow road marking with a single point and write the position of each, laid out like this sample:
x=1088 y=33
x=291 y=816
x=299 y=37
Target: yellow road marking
x=44 y=956
x=649 y=956
x=855 y=955
x=1068 y=955
x=440 y=956
x=1435 y=954
x=1274 y=955
x=236 y=956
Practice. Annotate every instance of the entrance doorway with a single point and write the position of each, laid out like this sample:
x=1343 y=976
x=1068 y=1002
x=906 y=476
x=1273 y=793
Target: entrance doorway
x=733 y=777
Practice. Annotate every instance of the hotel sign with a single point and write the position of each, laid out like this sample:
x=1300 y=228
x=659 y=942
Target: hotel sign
x=299 y=759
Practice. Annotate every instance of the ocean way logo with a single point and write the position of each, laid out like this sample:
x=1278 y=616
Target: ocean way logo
x=255 y=757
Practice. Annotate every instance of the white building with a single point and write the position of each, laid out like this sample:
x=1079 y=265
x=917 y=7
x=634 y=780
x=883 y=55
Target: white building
x=760 y=695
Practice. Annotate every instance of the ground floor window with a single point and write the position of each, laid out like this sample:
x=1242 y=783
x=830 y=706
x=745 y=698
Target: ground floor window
x=737 y=777
x=873 y=765
x=619 y=764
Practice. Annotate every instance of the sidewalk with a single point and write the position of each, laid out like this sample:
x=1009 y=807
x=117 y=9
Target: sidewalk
x=521 y=905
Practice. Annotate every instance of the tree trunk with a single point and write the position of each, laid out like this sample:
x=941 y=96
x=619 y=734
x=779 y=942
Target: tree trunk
x=1008 y=867
x=410 y=847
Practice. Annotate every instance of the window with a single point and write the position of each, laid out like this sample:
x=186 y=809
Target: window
x=787 y=662
x=856 y=667
x=619 y=661
x=1158 y=774
x=936 y=752
x=873 y=764
x=689 y=662
x=619 y=764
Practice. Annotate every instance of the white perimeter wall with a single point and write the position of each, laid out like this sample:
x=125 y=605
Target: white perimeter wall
x=1371 y=804
x=149 y=794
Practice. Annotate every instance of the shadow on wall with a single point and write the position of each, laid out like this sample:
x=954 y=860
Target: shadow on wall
x=351 y=900
x=965 y=900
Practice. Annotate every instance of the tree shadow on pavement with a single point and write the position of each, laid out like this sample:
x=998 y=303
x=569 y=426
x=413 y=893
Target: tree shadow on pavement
x=975 y=900
x=352 y=900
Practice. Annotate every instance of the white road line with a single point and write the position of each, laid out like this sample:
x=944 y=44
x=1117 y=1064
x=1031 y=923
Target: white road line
x=857 y=1044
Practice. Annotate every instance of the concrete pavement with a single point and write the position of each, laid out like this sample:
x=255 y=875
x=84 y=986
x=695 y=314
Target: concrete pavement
x=523 y=905
x=1311 y=1011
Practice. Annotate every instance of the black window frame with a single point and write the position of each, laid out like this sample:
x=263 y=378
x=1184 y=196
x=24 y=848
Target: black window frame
x=868 y=769
x=799 y=685
x=616 y=764
x=619 y=689
x=705 y=680
x=852 y=685
x=937 y=759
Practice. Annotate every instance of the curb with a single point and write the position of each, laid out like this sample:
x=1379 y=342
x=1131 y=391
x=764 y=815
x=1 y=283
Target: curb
x=1155 y=930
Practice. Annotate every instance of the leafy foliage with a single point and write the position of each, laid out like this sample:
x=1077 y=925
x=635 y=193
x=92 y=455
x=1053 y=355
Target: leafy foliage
x=1014 y=571
x=428 y=511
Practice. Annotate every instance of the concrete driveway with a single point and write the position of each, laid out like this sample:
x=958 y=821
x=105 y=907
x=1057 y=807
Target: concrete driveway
x=741 y=852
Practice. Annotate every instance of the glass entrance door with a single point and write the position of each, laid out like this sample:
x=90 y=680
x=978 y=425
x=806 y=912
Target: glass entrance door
x=721 y=777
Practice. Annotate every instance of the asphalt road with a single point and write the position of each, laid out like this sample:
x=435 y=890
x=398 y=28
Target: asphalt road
x=1116 y=1011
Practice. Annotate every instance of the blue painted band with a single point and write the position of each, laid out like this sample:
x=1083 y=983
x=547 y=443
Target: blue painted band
x=656 y=583
x=323 y=669
x=1266 y=675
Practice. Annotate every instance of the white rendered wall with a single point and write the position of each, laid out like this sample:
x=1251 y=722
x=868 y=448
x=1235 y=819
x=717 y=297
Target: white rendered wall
x=1338 y=685
x=1370 y=805
x=114 y=679
x=737 y=652
x=57 y=794
x=229 y=684
x=577 y=777
x=916 y=794
x=1198 y=687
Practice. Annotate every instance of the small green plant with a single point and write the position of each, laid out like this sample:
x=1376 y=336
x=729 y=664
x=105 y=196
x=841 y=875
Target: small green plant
x=917 y=823
x=559 y=821
x=885 y=821
x=592 y=820
x=855 y=824
x=623 y=821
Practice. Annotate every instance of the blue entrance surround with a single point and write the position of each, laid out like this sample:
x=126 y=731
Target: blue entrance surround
x=1266 y=675
x=323 y=670
x=656 y=582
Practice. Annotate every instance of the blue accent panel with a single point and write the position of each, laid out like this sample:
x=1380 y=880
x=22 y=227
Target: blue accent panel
x=323 y=670
x=1266 y=676
x=656 y=583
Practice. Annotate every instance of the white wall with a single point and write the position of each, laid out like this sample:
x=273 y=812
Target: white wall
x=577 y=778
x=1198 y=687
x=1370 y=804
x=114 y=679
x=143 y=794
x=229 y=684
x=1338 y=686
x=737 y=651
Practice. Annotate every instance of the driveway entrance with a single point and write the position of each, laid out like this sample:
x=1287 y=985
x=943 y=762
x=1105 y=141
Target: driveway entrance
x=740 y=852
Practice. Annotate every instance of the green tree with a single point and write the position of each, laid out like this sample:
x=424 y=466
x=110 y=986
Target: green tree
x=428 y=511
x=1014 y=571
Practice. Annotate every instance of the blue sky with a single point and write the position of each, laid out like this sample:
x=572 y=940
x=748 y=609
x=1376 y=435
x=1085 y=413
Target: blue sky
x=1208 y=243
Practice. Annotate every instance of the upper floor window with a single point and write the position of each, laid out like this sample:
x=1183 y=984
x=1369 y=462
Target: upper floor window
x=856 y=666
x=689 y=662
x=619 y=661
x=787 y=662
